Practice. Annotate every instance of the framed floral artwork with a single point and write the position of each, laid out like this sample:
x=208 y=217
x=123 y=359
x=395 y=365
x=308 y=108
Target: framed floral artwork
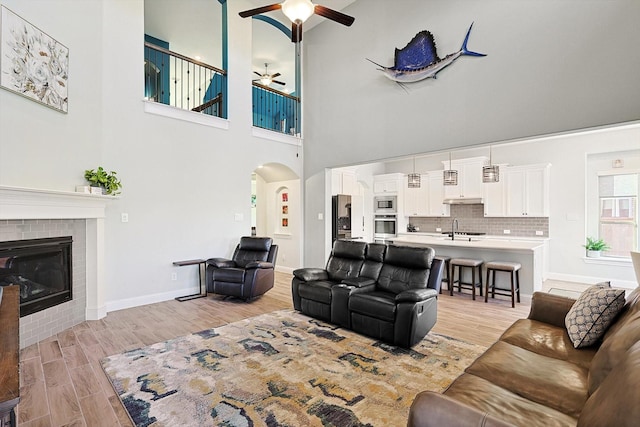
x=32 y=63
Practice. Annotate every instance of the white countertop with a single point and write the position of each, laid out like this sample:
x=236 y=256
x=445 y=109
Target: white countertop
x=483 y=242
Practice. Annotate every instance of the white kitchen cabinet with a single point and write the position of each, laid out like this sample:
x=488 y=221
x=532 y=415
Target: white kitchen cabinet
x=344 y=182
x=469 y=178
x=425 y=201
x=436 y=194
x=387 y=183
x=416 y=200
x=527 y=189
x=494 y=196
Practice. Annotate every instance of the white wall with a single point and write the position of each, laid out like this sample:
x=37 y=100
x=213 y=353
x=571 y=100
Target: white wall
x=183 y=183
x=544 y=73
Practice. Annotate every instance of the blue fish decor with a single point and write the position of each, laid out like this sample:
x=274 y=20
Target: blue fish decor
x=419 y=60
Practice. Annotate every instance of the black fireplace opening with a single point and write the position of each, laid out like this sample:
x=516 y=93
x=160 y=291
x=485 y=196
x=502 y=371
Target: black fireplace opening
x=41 y=267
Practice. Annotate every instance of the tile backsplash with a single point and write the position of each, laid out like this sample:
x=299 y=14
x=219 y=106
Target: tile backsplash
x=471 y=218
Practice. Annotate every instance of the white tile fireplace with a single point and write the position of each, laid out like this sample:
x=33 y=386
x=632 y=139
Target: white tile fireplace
x=27 y=213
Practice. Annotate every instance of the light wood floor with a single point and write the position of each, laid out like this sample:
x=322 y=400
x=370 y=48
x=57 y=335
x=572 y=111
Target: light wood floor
x=62 y=383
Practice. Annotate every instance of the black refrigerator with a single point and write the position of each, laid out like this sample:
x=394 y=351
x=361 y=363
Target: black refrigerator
x=340 y=217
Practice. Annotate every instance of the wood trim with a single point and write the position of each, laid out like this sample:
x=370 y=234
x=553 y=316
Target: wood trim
x=9 y=349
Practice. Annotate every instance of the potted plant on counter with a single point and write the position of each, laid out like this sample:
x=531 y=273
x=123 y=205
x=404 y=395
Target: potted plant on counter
x=595 y=247
x=108 y=181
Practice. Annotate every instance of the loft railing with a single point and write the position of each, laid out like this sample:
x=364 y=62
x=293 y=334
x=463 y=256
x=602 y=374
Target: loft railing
x=182 y=82
x=275 y=110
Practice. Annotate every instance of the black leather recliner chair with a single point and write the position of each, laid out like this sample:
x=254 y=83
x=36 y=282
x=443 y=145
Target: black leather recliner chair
x=314 y=296
x=248 y=274
x=401 y=307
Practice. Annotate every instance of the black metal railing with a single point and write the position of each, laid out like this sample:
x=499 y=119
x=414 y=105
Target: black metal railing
x=275 y=110
x=182 y=82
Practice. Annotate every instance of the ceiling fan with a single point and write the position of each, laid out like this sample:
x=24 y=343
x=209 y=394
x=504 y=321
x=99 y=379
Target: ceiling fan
x=299 y=11
x=266 y=79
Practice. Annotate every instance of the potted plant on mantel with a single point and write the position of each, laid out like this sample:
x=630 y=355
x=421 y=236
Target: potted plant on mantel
x=107 y=181
x=595 y=247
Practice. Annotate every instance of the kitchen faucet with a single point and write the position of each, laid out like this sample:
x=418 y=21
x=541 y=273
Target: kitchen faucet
x=454 y=228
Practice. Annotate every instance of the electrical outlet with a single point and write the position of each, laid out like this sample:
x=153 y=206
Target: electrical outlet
x=174 y=276
x=238 y=217
x=124 y=217
x=438 y=229
x=506 y=231
x=539 y=233
x=320 y=216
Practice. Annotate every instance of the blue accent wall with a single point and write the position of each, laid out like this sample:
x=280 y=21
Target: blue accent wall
x=269 y=109
x=157 y=86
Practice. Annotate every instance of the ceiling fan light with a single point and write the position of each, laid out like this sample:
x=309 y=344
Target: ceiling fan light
x=298 y=10
x=265 y=80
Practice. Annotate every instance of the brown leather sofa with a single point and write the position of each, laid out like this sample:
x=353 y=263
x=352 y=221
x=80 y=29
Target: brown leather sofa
x=533 y=376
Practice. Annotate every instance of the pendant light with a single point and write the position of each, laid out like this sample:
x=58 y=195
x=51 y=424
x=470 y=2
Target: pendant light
x=490 y=173
x=450 y=176
x=413 y=179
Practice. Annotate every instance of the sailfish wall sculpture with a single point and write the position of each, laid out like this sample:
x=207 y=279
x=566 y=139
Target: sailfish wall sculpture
x=419 y=60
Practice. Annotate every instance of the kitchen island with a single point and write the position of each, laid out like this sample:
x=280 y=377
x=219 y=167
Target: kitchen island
x=529 y=253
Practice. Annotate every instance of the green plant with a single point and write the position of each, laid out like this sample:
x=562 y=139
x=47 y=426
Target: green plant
x=101 y=178
x=596 y=244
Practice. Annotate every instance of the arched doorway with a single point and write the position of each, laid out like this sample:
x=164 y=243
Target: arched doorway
x=276 y=211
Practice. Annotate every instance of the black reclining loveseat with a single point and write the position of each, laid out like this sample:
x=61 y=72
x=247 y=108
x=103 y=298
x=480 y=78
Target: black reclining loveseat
x=384 y=291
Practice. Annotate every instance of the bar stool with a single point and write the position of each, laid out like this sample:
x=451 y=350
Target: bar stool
x=474 y=265
x=513 y=268
x=446 y=260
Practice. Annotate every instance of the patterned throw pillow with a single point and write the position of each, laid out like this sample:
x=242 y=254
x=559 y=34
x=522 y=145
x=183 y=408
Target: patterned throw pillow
x=592 y=313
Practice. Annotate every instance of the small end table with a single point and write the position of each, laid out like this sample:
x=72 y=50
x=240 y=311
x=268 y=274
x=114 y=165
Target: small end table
x=202 y=263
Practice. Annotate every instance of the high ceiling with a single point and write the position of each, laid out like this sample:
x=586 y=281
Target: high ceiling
x=192 y=28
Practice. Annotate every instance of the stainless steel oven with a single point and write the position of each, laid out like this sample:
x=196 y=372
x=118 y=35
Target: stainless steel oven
x=385 y=205
x=385 y=227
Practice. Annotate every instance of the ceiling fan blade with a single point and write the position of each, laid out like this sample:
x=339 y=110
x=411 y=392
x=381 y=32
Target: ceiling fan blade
x=280 y=83
x=273 y=76
x=296 y=32
x=259 y=10
x=257 y=73
x=334 y=15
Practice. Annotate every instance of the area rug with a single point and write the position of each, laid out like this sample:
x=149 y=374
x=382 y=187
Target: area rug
x=282 y=369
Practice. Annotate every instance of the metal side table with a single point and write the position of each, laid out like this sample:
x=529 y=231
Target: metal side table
x=202 y=264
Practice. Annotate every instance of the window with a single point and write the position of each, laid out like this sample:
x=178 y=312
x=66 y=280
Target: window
x=618 y=214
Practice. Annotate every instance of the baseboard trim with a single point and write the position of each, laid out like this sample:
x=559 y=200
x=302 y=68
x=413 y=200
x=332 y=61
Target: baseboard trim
x=149 y=299
x=624 y=284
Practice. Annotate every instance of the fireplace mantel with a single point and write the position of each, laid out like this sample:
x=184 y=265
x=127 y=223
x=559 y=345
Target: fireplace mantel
x=18 y=203
x=32 y=203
